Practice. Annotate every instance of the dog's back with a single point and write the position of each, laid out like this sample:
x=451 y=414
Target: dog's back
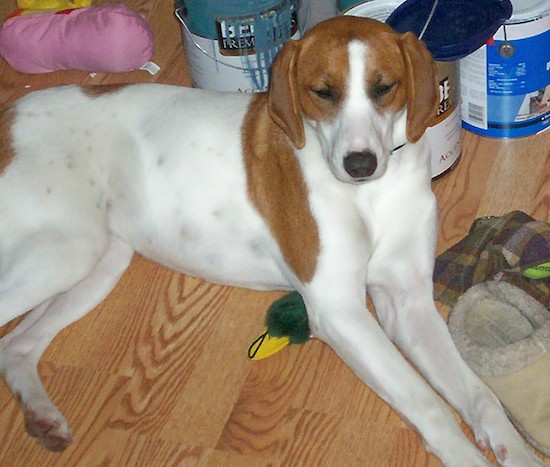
x=134 y=161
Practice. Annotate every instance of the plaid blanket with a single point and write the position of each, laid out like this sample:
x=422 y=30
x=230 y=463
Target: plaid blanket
x=496 y=248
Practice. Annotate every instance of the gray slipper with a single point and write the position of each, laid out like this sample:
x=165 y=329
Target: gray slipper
x=503 y=334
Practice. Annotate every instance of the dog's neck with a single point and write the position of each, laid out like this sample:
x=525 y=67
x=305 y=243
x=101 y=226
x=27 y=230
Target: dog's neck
x=397 y=148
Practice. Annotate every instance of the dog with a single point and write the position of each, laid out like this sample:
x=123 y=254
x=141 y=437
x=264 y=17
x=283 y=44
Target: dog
x=320 y=185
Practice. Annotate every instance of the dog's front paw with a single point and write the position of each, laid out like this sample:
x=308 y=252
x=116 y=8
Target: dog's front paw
x=509 y=448
x=517 y=458
x=51 y=430
x=459 y=453
x=469 y=457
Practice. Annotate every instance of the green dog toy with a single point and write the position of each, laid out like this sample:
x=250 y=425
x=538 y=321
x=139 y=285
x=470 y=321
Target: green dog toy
x=542 y=271
x=286 y=323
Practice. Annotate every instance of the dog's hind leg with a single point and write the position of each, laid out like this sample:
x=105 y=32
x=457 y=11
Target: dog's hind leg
x=21 y=349
x=39 y=265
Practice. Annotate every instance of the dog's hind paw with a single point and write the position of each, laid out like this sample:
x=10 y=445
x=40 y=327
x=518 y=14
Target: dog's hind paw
x=50 y=430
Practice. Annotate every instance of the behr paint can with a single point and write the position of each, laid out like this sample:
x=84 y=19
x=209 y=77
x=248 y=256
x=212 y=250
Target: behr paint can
x=505 y=85
x=231 y=44
x=444 y=135
x=376 y=9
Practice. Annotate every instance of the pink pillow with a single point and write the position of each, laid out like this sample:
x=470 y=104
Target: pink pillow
x=108 y=38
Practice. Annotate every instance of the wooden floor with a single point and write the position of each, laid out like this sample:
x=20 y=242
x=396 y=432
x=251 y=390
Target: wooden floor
x=158 y=374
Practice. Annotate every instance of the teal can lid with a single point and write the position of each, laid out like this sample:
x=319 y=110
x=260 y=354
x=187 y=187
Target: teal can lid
x=345 y=4
x=201 y=15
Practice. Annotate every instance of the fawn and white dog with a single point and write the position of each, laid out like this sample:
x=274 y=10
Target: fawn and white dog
x=321 y=185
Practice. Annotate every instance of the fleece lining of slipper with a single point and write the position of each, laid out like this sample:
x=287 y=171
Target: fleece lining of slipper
x=499 y=329
x=503 y=334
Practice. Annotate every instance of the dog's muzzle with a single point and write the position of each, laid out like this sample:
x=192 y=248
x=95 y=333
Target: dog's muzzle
x=360 y=164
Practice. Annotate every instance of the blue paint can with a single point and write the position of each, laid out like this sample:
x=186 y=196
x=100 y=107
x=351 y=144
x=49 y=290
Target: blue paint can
x=505 y=85
x=231 y=44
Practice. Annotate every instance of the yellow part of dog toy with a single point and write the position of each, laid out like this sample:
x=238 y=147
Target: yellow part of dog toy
x=52 y=5
x=265 y=346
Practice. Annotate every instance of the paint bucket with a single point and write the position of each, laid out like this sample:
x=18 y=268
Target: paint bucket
x=231 y=44
x=375 y=9
x=313 y=12
x=506 y=83
x=444 y=136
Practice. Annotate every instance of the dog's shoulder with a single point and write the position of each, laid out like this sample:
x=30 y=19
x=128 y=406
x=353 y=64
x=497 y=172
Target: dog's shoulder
x=277 y=188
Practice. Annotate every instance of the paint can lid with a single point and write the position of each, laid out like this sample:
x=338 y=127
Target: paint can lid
x=452 y=29
x=376 y=9
x=529 y=10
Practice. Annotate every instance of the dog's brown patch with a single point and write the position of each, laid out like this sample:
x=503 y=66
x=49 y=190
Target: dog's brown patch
x=277 y=188
x=6 y=148
x=299 y=77
x=103 y=89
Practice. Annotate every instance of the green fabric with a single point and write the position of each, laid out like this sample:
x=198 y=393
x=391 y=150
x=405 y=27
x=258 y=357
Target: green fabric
x=496 y=248
x=288 y=317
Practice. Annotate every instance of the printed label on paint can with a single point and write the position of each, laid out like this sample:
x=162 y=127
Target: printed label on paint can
x=444 y=135
x=240 y=38
x=233 y=60
x=219 y=73
x=506 y=83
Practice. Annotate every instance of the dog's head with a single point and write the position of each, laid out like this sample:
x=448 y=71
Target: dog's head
x=361 y=86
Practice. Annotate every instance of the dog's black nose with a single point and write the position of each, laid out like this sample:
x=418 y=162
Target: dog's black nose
x=360 y=164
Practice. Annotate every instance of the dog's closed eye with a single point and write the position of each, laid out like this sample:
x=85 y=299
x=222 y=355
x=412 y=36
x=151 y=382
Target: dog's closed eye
x=381 y=90
x=325 y=93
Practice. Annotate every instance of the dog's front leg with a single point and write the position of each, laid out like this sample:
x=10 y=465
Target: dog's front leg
x=339 y=317
x=408 y=314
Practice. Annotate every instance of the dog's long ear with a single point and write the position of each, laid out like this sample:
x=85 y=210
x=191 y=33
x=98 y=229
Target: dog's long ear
x=283 y=104
x=422 y=90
